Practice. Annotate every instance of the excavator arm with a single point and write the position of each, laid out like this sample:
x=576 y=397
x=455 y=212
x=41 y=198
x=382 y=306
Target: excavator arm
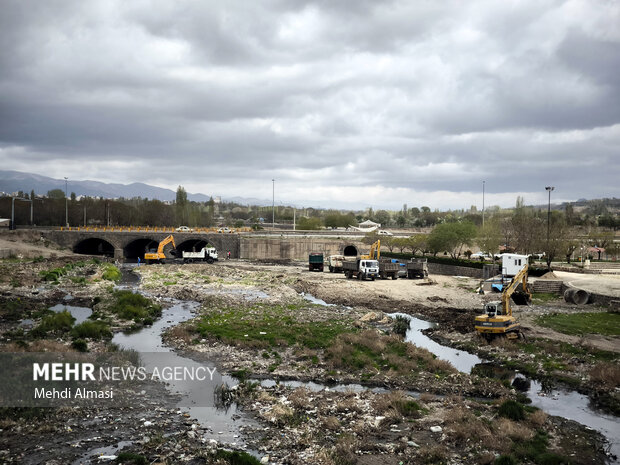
x=164 y=243
x=160 y=255
x=520 y=278
x=375 y=252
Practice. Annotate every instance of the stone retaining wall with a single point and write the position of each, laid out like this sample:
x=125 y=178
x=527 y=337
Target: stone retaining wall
x=453 y=270
x=292 y=249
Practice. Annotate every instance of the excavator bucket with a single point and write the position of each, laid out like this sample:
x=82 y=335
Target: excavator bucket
x=522 y=298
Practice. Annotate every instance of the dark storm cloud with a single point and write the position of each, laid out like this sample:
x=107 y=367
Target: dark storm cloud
x=345 y=103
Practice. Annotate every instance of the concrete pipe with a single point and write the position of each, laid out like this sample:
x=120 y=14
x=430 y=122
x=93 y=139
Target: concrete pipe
x=576 y=296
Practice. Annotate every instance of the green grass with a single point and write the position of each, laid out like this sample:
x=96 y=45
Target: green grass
x=536 y=450
x=512 y=410
x=544 y=297
x=607 y=324
x=91 y=330
x=235 y=458
x=111 y=273
x=244 y=325
x=129 y=306
x=371 y=353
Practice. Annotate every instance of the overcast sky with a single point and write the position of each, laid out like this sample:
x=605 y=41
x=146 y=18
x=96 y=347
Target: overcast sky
x=346 y=104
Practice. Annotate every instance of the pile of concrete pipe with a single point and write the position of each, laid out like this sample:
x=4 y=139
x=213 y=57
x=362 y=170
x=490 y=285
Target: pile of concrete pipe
x=576 y=296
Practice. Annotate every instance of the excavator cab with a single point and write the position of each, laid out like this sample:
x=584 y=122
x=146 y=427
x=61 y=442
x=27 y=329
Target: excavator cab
x=493 y=308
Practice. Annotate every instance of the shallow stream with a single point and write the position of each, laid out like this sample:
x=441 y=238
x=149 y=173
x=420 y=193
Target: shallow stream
x=559 y=402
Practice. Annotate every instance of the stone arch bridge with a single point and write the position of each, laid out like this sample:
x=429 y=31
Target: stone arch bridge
x=133 y=244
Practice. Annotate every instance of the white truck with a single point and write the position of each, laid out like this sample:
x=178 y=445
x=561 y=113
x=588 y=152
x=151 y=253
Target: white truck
x=334 y=262
x=206 y=254
x=361 y=269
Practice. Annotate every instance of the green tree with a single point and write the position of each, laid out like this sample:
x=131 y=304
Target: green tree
x=525 y=229
x=401 y=243
x=56 y=194
x=560 y=236
x=452 y=237
x=181 y=206
x=417 y=242
x=339 y=220
x=389 y=242
x=383 y=217
x=401 y=221
x=370 y=238
x=489 y=237
x=309 y=224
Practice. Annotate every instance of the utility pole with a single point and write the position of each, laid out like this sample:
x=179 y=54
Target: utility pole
x=294 y=212
x=84 y=214
x=483 y=203
x=13 y=199
x=273 y=204
x=66 y=204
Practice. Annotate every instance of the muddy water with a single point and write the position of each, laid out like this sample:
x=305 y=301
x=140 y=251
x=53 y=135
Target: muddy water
x=575 y=406
x=560 y=402
x=197 y=399
x=80 y=314
x=461 y=360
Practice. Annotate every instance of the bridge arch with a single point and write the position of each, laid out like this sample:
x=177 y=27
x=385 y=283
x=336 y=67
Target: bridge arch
x=94 y=246
x=138 y=247
x=193 y=245
x=350 y=251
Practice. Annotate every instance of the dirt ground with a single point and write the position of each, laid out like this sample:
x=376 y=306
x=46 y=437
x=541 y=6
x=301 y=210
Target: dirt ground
x=296 y=425
x=29 y=244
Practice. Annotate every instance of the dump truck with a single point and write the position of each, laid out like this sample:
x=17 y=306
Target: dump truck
x=361 y=269
x=334 y=263
x=315 y=261
x=206 y=254
x=388 y=269
x=159 y=255
x=417 y=268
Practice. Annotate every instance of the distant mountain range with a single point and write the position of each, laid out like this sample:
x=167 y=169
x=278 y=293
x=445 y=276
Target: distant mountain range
x=14 y=181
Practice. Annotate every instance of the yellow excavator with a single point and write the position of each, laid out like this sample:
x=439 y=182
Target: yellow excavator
x=375 y=252
x=497 y=319
x=159 y=256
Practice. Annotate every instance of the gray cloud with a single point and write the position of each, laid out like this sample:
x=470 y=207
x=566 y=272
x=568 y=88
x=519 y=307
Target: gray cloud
x=345 y=103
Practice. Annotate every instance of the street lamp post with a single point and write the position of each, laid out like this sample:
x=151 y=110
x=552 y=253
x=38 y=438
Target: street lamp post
x=273 y=204
x=483 y=203
x=66 y=205
x=548 y=189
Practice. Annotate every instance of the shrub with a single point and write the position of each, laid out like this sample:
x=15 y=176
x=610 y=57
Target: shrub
x=235 y=458
x=80 y=345
x=401 y=325
x=505 y=460
x=111 y=273
x=60 y=322
x=130 y=306
x=131 y=458
x=91 y=330
x=512 y=410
